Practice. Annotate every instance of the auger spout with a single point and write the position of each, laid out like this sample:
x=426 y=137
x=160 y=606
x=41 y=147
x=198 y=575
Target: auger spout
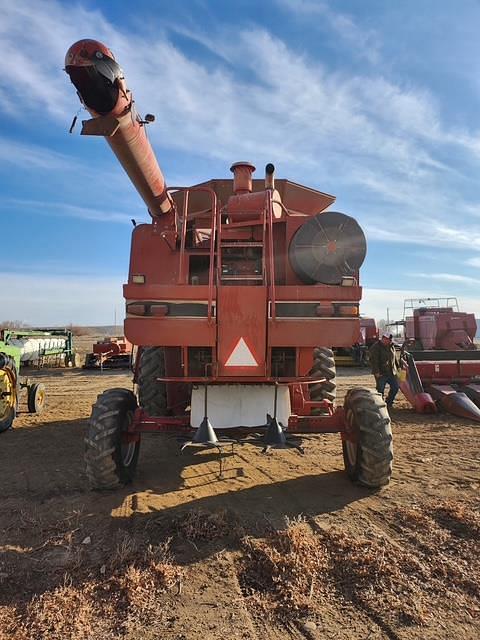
x=101 y=87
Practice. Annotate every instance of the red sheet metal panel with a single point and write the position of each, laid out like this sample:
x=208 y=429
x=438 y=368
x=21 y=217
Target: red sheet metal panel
x=446 y=372
x=241 y=323
x=318 y=292
x=342 y=332
x=170 y=332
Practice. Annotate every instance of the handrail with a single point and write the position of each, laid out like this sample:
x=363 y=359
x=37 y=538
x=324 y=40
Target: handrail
x=219 y=245
x=183 y=238
x=271 y=260
x=214 y=210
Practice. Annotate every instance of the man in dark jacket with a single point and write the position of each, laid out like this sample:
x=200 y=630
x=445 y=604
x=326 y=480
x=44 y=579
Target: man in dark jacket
x=383 y=363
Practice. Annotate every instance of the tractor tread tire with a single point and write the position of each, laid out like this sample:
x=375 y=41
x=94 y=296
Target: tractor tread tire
x=373 y=466
x=152 y=394
x=323 y=367
x=104 y=465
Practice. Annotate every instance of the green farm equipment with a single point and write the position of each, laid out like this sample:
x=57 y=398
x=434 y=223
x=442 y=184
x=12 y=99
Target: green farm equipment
x=12 y=388
x=42 y=347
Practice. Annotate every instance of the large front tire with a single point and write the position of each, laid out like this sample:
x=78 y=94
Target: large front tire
x=152 y=394
x=111 y=458
x=368 y=454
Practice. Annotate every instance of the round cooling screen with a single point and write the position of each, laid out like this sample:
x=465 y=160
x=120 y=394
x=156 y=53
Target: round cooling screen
x=327 y=247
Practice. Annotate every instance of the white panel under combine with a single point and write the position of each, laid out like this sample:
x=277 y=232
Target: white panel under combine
x=240 y=405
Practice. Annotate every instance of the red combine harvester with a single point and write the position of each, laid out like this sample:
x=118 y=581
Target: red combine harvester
x=109 y=353
x=236 y=291
x=441 y=359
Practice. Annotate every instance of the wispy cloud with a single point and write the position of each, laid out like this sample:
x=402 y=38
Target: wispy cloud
x=473 y=262
x=383 y=139
x=62 y=209
x=365 y=41
x=447 y=277
x=31 y=156
x=422 y=230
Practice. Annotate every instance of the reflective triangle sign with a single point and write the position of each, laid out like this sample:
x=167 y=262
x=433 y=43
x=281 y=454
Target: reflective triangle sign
x=241 y=356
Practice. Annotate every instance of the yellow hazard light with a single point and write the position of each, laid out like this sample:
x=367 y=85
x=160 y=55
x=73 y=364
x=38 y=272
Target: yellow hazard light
x=348 y=310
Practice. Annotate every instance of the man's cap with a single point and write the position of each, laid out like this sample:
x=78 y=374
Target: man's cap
x=389 y=336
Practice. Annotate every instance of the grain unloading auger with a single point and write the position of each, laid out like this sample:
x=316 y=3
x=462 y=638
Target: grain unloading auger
x=237 y=289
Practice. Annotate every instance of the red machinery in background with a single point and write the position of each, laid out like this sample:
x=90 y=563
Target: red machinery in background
x=442 y=362
x=357 y=354
x=236 y=291
x=438 y=324
x=109 y=353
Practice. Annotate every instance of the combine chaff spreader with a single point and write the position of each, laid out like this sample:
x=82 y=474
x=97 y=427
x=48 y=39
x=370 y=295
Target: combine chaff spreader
x=237 y=290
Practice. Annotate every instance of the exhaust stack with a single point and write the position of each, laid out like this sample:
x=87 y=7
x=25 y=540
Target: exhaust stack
x=101 y=87
x=270 y=176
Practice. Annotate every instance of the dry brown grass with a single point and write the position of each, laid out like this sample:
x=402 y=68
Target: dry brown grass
x=110 y=601
x=197 y=525
x=284 y=574
x=434 y=566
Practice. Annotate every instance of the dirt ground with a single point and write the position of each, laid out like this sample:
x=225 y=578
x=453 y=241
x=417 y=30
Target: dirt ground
x=282 y=546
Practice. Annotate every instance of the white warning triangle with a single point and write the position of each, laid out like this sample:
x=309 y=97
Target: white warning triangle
x=241 y=356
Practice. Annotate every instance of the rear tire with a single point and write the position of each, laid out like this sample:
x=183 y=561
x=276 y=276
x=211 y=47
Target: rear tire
x=368 y=461
x=152 y=394
x=36 y=398
x=323 y=367
x=110 y=459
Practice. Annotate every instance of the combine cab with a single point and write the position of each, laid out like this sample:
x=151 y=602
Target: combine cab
x=236 y=291
x=442 y=363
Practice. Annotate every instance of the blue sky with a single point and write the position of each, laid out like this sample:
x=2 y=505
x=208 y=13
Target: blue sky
x=376 y=102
